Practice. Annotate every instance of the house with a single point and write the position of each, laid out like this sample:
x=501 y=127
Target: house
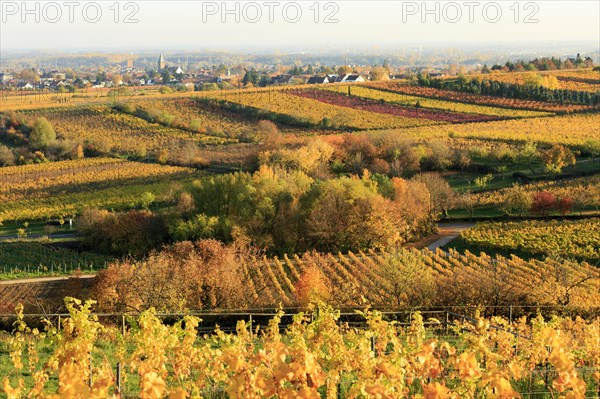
x=175 y=70
x=318 y=80
x=206 y=79
x=25 y=86
x=190 y=83
x=5 y=77
x=282 y=79
x=333 y=78
x=138 y=82
x=349 y=78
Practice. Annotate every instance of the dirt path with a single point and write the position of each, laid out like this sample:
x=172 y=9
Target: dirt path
x=37 y=236
x=45 y=279
x=447 y=233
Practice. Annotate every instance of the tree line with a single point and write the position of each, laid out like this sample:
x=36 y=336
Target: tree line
x=534 y=91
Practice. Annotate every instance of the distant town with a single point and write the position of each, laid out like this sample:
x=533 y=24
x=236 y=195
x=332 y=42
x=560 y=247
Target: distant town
x=174 y=75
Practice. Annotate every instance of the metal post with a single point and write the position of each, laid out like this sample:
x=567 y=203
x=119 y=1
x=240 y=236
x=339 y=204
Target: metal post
x=373 y=346
x=91 y=370
x=119 y=378
x=447 y=322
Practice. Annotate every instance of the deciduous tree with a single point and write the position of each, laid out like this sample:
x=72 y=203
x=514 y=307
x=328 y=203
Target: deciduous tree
x=185 y=276
x=543 y=203
x=42 y=134
x=557 y=157
x=517 y=201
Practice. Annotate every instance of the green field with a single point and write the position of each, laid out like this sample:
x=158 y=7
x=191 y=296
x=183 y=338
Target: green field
x=34 y=259
x=570 y=239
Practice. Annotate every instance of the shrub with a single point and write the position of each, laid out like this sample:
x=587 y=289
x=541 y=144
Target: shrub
x=132 y=233
x=543 y=203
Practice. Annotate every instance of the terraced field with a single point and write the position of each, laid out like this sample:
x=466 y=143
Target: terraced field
x=389 y=279
x=571 y=130
x=585 y=191
x=314 y=112
x=112 y=131
x=435 y=104
x=193 y=115
x=60 y=189
x=391 y=108
x=351 y=276
x=577 y=239
x=28 y=259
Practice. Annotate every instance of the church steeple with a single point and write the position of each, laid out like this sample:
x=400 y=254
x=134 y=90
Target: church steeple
x=161 y=62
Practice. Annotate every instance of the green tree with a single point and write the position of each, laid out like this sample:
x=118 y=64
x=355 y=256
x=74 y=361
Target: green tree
x=348 y=214
x=481 y=182
x=592 y=147
x=504 y=156
x=517 y=201
x=251 y=76
x=410 y=283
x=147 y=199
x=166 y=76
x=42 y=134
x=529 y=155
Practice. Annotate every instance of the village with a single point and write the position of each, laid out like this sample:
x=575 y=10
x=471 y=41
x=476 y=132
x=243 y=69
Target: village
x=186 y=78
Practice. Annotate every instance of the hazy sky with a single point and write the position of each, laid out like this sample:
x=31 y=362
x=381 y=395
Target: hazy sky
x=202 y=24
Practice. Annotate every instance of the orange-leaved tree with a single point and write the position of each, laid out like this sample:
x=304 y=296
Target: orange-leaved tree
x=311 y=286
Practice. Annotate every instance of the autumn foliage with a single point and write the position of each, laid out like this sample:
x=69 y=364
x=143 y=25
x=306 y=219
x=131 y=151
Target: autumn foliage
x=311 y=287
x=316 y=356
x=133 y=233
x=185 y=275
x=545 y=202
